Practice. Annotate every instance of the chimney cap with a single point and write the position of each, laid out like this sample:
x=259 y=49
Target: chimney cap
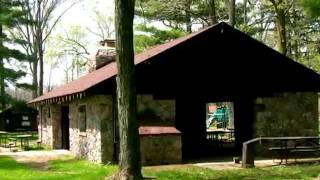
x=107 y=41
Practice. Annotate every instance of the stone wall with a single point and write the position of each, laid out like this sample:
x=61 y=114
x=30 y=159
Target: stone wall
x=49 y=133
x=96 y=143
x=161 y=149
x=164 y=109
x=289 y=114
x=56 y=126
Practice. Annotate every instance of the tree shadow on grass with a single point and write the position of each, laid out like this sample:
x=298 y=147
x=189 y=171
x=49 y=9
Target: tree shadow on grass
x=9 y=163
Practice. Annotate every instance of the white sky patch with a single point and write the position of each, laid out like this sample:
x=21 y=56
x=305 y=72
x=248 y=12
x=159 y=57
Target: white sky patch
x=81 y=14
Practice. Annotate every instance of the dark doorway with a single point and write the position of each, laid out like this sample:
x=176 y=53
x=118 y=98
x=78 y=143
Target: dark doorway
x=197 y=144
x=65 y=127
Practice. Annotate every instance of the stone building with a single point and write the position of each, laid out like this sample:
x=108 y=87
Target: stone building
x=272 y=96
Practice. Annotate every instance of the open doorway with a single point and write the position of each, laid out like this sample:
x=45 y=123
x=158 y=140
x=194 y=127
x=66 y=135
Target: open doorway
x=220 y=129
x=65 y=141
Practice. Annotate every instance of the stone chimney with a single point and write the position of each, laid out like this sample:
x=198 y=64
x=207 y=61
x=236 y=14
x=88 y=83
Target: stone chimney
x=106 y=53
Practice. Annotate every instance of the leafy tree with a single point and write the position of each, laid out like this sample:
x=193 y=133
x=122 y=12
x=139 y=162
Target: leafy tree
x=312 y=7
x=41 y=12
x=69 y=53
x=182 y=14
x=130 y=161
x=151 y=36
x=10 y=15
x=73 y=43
x=104 y=25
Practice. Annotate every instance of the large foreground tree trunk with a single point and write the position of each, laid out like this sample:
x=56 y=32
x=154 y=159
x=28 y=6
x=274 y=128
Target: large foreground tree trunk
x=130 y=162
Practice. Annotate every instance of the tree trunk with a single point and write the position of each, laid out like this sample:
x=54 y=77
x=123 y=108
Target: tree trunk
x=188 y=16
x=231 y=4
x=245 y=13
x=35 y=76
x=41 y=69
x=40 y=48
x=281 y=31
x=130 y=161
x=280 y=26
x=212 y=12
x=35 y=70
x=2 y=86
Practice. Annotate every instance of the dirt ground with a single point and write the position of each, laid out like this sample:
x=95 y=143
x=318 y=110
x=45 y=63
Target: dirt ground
x=39 y=160
x=36 y=159
x=229 y=165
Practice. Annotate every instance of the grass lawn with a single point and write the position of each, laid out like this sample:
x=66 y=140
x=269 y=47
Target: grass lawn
x=69 y=168
x=306 y=171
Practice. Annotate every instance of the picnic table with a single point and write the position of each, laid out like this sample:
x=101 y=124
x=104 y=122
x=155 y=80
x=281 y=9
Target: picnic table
x=220 y=136
x=3 y=137
x=214 y=134
x=299 y=144
x=24 y=140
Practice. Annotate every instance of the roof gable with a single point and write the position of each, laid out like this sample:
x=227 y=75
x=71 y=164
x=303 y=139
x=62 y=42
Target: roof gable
x=226 y=47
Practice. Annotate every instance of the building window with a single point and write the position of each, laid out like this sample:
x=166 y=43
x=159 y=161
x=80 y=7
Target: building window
x=82 y=118
x=25 y=121
x=44 y=115
x=49 y=113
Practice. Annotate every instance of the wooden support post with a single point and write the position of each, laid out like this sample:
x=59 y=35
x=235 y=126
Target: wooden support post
x=248 y=155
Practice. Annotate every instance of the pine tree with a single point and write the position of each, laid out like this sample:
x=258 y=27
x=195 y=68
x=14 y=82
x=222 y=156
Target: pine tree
x=10 y=15
x=312 y=7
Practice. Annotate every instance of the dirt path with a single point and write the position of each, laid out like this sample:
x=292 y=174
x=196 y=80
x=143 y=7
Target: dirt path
x=40 y=159
x=36 y=159
x=258 y=163
x=229 y=165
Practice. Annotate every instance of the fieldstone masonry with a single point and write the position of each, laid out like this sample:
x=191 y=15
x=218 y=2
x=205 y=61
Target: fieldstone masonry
x=50 y=132
x=97 y=142
x=288 y=114
x=164 y=109
x=160 y=149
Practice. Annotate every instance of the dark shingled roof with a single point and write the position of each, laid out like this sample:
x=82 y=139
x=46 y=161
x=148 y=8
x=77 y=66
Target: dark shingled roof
x=187 y=64
x=108 y=71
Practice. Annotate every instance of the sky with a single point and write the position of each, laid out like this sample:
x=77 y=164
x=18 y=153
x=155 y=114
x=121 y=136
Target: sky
x=83 y=14
x=80 y=14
